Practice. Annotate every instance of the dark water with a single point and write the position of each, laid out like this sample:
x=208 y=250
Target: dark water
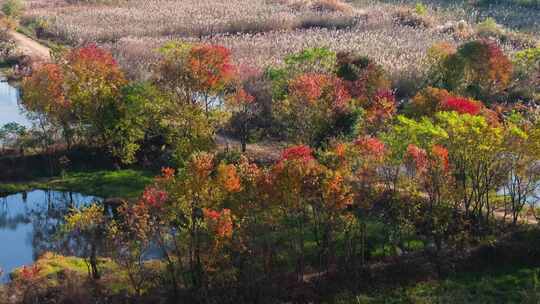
x=29 y=224
x=10 y=110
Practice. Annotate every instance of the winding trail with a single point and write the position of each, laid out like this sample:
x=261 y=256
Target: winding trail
x=31 y=48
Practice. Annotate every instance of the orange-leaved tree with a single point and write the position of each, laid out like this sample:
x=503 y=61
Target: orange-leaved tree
x=314 y=104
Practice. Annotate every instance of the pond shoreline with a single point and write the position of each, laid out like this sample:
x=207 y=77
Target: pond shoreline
x=30 y=222
x=109 y=184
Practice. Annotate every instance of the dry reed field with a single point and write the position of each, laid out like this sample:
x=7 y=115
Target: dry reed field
x=401 y=50
x=515 y=14
x=79 y=23
x=259 y=32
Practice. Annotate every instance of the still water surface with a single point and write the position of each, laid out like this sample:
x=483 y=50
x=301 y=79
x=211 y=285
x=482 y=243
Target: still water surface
x=10 y=111
x=29 y=223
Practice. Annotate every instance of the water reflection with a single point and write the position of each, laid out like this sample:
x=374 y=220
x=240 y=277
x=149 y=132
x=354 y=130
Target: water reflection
x=10 y=110
x=29 y=223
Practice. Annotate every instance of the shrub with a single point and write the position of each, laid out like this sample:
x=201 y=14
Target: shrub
x=420 y=9
x=13 y=8
x=489 y=28
x=407 y=17
x=427 y=102
x=461 y=105
x=327 y=21
x=332 y=6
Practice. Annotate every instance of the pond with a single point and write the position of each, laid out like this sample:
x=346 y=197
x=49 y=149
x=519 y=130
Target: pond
x=10 y=111
x=29 y=223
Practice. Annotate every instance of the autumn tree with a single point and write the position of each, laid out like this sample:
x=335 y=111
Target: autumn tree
x=307 y=61
x=478 y=69
x=521 y=142
x=198 y=78
x=363 y=78
x=92 y=83
x=45 y=99
x=314 y=104
x=431 y=100
x=78 y=93
x=380 y=111
x=193 y=221
x=431 y=172
x=427 y=102
x=311 y=197
x=243 y=106
x=196 y=73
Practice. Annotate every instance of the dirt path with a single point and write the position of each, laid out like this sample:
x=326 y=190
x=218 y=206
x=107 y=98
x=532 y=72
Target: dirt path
x=525 y=218
x=31 y=48
x=267 y=152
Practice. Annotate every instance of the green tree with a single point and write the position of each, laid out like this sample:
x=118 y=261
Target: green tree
x=476 y=152
x=89 y=226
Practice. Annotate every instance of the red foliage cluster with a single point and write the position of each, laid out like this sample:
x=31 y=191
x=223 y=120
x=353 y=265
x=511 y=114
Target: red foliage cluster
x=500 y=66
x=92 y=53
x=154 y=197
x=308 y=87
x=440 y=154
x=54 y=79
x=44 y=90
x=220 y=222
x=229 y=178
x=311 y=88
x=211 y=214
x=202 y=165
x=340 y=149
x=382 y=108
x=211 y=65
x=371 y=146
x=340 y=95
x=337 y=195
x=387 y=95
x=30 y=273
x=241 y=97
x=419 y=157
x=167 y=172
x=301 y=152
x=461 y=105
x=438 y=159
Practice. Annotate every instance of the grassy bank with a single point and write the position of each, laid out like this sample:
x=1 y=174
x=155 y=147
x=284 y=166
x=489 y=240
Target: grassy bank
x=496 y=285
x=127 y=183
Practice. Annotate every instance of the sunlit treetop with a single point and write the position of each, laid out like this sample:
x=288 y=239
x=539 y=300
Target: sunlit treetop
x=371 y=147
x=43 y=90
x=211 y=66
x=302 y=152
x=312 y=88
x=461 y=105
x=228 y=178
x=202 y=68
